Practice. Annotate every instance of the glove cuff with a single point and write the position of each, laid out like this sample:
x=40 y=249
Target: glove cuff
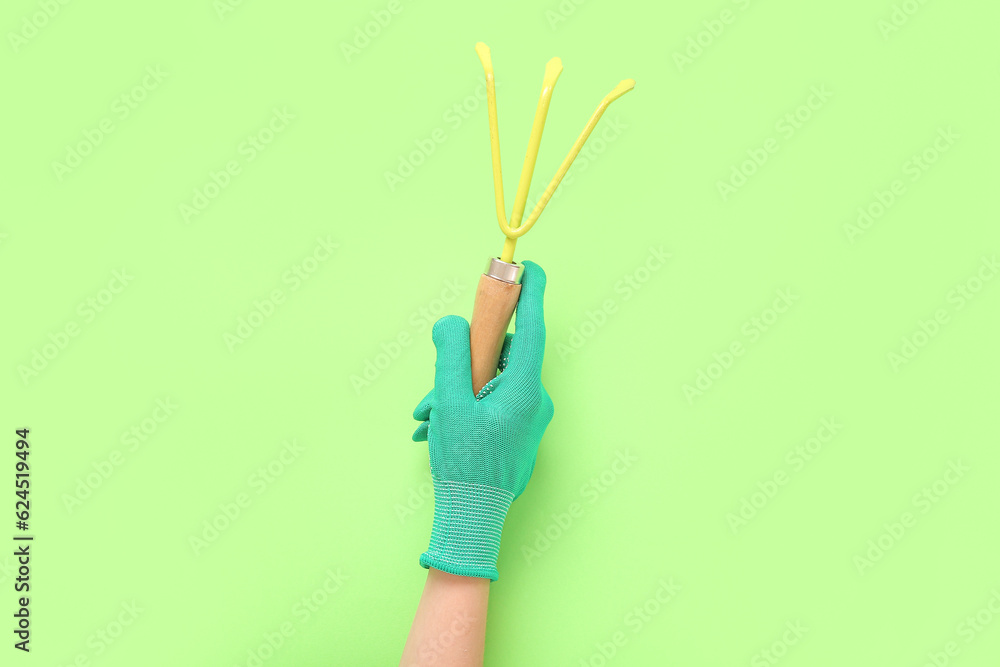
x=468 y=520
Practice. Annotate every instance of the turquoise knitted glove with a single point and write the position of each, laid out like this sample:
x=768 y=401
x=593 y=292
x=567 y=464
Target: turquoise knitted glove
x=483 y=448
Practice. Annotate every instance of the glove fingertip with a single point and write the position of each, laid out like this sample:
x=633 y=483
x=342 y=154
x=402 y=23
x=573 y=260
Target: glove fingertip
x=420 y=435
x=448 y=328
x=423 y=409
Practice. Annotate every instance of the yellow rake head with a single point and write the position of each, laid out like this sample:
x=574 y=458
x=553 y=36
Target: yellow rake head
x=514 y=230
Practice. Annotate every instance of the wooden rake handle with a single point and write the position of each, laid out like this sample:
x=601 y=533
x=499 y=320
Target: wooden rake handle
x=496 y=298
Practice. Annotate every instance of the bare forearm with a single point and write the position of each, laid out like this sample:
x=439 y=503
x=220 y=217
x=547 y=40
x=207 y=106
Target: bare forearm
x=449 y=629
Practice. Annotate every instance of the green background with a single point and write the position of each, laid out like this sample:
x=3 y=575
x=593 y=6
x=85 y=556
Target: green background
x=350 y=509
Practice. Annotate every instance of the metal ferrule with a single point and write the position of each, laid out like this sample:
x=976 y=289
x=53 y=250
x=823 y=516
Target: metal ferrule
x=509 y=273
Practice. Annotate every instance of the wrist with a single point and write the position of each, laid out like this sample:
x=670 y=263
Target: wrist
x=468 y=521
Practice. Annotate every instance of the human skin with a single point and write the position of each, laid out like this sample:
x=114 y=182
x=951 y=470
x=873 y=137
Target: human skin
x=449 y=629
